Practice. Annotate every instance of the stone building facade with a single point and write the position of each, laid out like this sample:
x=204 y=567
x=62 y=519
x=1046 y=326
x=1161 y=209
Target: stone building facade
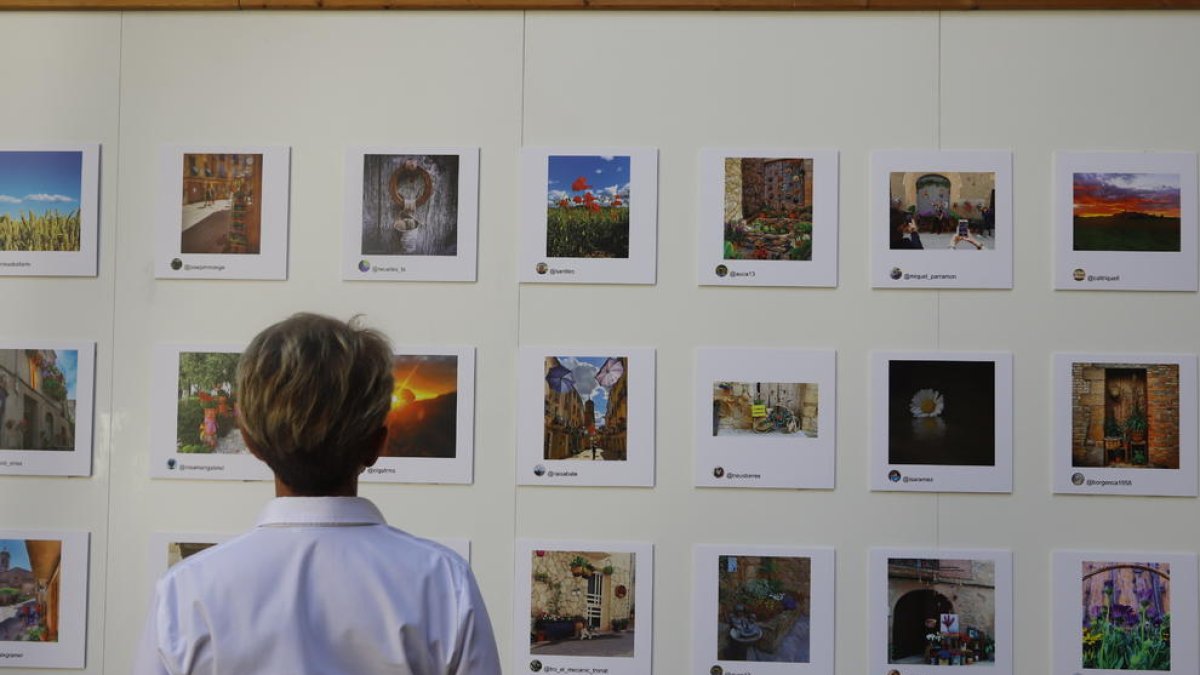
x=1104 y=392
x=757 y=185
x=564 y=419
x=733 y=401
x=922 y=190
x=593 y=594
x=921 y=590
x=35 y=413
x=614 y=434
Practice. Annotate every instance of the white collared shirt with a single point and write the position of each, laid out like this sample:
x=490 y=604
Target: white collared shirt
x=321 y=585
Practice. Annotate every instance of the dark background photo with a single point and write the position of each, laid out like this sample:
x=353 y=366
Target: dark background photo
x=964 y=434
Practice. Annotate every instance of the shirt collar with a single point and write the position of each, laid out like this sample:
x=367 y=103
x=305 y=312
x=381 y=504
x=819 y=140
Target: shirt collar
x=319 y=511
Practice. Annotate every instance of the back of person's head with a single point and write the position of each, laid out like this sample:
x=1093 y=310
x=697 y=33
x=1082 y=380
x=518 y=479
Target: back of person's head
x=313 y=394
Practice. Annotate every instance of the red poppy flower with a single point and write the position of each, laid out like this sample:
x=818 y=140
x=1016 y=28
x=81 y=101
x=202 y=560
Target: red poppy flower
x=617 y=202
x=580 y=184
x=594 y=207
x=589 y=197
x=577 y=199
x=563 y=203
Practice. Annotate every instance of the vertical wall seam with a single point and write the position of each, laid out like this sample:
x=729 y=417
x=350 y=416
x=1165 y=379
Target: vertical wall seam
x=937 y=319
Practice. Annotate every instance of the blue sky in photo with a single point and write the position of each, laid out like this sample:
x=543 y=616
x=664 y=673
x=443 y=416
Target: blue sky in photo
x=68 y=363
x=18 y=555
x=40 y=181
x=608 y=175
x=584 y=369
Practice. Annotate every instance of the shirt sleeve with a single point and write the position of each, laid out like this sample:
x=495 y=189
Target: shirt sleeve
x=147 y=660
x=476 y=651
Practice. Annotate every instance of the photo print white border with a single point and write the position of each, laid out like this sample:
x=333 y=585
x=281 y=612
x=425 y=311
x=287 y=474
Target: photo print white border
x=165 y=462
x=637 y=469
x=74 y=462
x=85 y=261
x=1067 y=570
x=934 y=268
x=68 y=652
x=643 y=601
x=881 y=610
x=1070 y=479
x=765 y=460
x=359 y=266
x=1123 y=270
x=941 y=477
x=269 y=263
x=641 y=265
x=457 y=469
x=705 y=570
x=714 y=270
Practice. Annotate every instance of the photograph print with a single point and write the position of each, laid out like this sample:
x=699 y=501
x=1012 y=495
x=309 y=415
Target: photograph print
x=587 y=408
x=769 y=217
x=589 y=215
x=431 y=421
x=43 y=598
x=222 y=212
x=1125 y=221
x=48 y=215
x=943 y=422
x=46 y=403
x=770 y=408
x=1135 y=609
x=942 y=219
x=1122 y=420
x=410 y=214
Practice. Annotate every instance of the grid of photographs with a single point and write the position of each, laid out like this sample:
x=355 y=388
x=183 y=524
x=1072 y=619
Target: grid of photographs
x=587 y=606
x=411 y=214
x=1136 y=610
x=43 y=598
x=49 y=195
x=941 y=219
x=768 y=217
x=939 y=607
x=589 y=215
x=765 y=418
x=762 y=610
x=1121 y=424
x=1125 y=221
x=222 y=213
x=46 y=405
x=941 y=422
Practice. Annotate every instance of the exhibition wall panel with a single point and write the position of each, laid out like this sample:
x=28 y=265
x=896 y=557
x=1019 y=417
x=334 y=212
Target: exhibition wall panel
x=679 y=82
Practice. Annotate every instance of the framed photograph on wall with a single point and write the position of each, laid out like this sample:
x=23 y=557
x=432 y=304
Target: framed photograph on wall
x=941 y=421
x=932 y=608
x=412 y=214
x=222 y=213
x=765 y=418
x=589 y=215
x=44 y=579
x=941 y=219
x=1125 y=221
x=194 y=432
x=1125 y=424
x=768 y=217
x=587 y=606
x=47 y=397
x=585 y=416
x=49 y=209
x=762 y=610
x=1137 y=609
x=431 y=425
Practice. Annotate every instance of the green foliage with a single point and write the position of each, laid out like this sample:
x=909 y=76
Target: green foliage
x=206 y=371
x=580 y=232
x=195 y=450
x=188 y=419
x=1112 y=429
x=1109 y=643
x=54 y=388
x=1137 y=419
x=51 y=231
x=762 y=588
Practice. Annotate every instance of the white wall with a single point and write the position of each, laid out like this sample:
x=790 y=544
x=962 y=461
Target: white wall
x=856 y=82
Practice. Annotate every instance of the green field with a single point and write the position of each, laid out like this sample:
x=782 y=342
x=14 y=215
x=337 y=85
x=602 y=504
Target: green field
x=1126 y=232
x=51 y=231
x=583 y=233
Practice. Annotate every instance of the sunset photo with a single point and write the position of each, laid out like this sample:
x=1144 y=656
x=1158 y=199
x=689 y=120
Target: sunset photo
x=423 y=421
x=1126 y=211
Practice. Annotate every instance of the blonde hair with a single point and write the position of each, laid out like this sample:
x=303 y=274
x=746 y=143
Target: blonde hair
x=311 y=392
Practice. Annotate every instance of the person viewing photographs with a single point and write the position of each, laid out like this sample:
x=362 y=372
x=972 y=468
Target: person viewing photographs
x=322 y=584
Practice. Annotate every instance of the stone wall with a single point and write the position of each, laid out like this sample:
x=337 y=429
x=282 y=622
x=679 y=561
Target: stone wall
x=733 y=191
x=972 y=595
x=556 y=590
x=1090 y=406
x=1162 y=412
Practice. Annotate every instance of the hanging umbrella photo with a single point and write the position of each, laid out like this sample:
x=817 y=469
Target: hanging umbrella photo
x=559 y=378
x=611 y=371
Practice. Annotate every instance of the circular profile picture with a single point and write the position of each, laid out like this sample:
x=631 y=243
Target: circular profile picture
x=894 y=476
x=1076 y=478
x=716 y=670
x=364 y=265
x=719 y=472
x=541 y=268
x=1078 y=274
x=896 y=273
x=176 y=263
x=171 y=463
x=721 y=272
x=893 y=671
x=535 y=666
x=539 y=470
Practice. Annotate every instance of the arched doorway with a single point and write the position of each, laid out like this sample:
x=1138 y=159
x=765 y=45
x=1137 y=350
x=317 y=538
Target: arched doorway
x=933 y=189
x=908 y=621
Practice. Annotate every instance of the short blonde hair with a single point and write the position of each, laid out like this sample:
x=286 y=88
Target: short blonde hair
x=311 y=392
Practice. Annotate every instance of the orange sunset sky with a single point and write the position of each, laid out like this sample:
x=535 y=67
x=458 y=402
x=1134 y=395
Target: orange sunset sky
x=1106 y=194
